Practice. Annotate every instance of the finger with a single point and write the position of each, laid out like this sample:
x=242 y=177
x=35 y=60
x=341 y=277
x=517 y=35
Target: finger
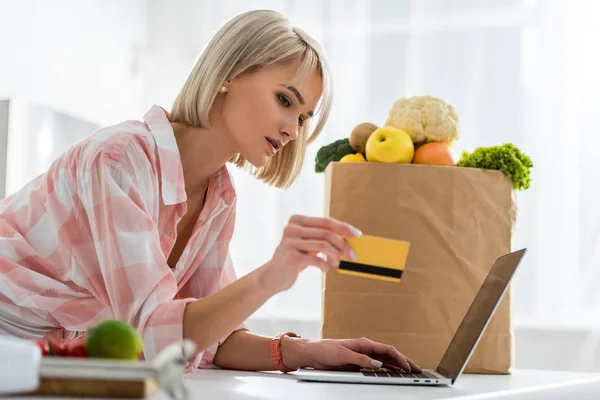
x=395 y=355
x=322 y=234
x=362 y=360
x=331 y=224
x=306 y=232
x=318 y=246
x=380 y=349
x=413 y=366
x=392 y=363
x=398 y=357
x=315 y=262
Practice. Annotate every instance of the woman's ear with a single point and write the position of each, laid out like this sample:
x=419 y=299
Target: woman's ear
x=225 y=86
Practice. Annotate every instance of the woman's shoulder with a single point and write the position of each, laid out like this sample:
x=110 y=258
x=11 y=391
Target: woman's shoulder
x=116 y=143
x=133 y=143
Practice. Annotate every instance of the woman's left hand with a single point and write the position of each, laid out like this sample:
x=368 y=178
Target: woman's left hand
x=333 y=354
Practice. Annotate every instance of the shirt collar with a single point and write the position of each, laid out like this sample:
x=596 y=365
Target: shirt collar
x=171 y=170
x=224 y=186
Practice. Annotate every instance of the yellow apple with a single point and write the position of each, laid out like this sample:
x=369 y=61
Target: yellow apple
x=390 y=145
x=353 y=158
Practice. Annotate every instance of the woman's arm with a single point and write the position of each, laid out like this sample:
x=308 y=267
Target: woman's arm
x=210 y=319
x=206 y=321
x=247 y=351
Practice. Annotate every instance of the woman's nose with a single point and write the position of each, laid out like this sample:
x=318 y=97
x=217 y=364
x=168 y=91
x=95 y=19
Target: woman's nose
x=290 y=132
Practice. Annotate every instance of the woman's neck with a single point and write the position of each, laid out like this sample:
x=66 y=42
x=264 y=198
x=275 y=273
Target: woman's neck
x=203 y=152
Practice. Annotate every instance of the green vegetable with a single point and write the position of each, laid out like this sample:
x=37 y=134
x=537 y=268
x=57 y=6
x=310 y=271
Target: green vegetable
x=507 y=158
x=332 y=152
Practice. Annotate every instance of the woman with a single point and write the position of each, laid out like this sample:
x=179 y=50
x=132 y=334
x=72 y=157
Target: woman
x=134 y=222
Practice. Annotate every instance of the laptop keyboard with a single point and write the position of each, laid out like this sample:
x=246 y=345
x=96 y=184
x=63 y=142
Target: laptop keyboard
x=390 y=373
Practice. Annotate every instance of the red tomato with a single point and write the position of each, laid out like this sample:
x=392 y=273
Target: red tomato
x=76 y=348
x=43 y=345
x=67 y=348
x=57 y=348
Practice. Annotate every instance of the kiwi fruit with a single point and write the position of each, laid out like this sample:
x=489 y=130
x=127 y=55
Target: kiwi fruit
x=359 y=136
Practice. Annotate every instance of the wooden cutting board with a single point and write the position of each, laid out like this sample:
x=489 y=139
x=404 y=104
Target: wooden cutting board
x=96 y=378
x=95 y=388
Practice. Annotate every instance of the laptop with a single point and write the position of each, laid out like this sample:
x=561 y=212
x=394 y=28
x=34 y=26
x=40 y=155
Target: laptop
x=461 y=346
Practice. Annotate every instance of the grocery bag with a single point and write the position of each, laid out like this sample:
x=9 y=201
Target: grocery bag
x=457 y=221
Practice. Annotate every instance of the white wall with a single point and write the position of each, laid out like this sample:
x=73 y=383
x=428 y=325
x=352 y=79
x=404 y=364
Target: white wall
x=79 y=57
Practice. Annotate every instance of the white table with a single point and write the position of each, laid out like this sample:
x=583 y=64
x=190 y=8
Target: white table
x=522 y=384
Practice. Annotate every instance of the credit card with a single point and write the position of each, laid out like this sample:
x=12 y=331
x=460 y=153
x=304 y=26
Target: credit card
x=376 y=258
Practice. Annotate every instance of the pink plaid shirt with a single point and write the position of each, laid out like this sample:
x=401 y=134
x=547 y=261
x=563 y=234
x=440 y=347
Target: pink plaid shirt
x=90 y=239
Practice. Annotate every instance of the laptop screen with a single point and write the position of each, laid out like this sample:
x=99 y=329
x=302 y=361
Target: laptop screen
x=477 y=317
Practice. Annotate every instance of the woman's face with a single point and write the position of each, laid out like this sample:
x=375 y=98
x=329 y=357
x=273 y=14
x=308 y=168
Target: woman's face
x=262 y=113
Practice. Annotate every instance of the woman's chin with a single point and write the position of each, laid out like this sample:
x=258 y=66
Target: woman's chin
x=257 y=160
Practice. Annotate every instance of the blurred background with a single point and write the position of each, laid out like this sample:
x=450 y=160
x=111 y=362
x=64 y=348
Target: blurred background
x=520 y=71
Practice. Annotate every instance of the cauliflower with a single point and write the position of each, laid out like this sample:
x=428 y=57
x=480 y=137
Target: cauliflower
x=425 y=118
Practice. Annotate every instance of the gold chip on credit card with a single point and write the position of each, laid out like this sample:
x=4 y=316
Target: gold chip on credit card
x=376 y=258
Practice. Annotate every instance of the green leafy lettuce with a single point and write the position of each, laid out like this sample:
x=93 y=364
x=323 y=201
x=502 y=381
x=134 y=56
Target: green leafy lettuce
x=507 y=158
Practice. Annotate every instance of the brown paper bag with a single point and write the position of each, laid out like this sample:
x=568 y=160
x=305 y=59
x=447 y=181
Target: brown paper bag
x=458 y=221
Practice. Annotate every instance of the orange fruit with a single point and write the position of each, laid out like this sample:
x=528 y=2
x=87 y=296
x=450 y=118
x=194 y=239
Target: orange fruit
x=435 y=153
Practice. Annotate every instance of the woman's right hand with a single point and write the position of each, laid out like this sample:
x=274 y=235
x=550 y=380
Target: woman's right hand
x=305 y=240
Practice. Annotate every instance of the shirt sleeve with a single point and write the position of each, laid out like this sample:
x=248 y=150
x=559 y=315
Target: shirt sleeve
x=204 y=282
x=126 y=269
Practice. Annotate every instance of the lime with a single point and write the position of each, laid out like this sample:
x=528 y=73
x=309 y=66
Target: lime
x=113 y=339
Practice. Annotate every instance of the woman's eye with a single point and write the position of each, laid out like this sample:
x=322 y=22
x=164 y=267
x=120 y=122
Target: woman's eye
x=284 y=101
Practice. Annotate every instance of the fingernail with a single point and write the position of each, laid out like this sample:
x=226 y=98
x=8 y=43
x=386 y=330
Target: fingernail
x=355 y=231
x=376 y=364
x=352 y=255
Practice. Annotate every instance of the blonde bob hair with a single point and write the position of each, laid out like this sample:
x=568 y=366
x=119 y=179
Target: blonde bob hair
x=246 y=43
